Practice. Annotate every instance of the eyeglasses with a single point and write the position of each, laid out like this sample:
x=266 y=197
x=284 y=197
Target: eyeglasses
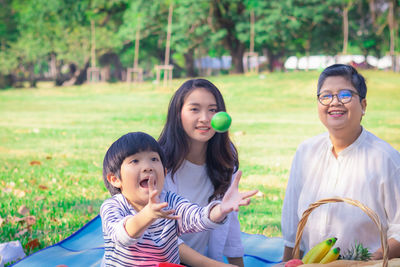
x=344 y=96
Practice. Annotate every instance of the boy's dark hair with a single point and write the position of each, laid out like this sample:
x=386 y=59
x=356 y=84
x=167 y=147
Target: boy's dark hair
x=349 y=73
x=127 y=145
x=221 y=158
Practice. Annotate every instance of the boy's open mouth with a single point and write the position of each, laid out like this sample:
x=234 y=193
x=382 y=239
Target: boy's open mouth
x=144 y=183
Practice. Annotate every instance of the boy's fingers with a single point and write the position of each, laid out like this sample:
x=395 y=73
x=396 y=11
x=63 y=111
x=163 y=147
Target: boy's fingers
x=160 y=206
x=168 y=214
x=153 y=196
x=151 y=183
x=173 y=217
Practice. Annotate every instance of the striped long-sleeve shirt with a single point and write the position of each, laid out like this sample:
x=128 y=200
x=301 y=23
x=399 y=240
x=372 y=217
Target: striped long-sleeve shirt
x=159 y=243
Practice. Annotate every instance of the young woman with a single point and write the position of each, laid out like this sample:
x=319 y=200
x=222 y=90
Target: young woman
x=201 y=162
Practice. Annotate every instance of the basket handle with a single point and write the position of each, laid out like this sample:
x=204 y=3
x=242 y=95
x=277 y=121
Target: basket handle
x=368 y=211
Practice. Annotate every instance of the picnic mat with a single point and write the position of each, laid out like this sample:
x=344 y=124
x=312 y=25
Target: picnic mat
x=86 y=248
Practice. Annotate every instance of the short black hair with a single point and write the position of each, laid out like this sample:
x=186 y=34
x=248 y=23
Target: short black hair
x=127 y=145
x=349 y=73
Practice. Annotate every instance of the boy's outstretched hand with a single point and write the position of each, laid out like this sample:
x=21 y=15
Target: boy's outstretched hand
x=136 y=225
x=231 y=200
x=155 y=208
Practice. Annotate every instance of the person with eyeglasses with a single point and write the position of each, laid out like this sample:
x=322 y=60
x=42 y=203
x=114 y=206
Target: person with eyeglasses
x=349 y=162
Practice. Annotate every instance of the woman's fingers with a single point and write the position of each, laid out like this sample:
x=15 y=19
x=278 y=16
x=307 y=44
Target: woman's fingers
x=230 y=209
x=245 y=202
x=249 y=194
x=237 y=178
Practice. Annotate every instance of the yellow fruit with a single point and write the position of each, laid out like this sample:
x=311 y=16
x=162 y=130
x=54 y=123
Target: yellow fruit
x=306 y=258
x=332 y=255
x=315 y=254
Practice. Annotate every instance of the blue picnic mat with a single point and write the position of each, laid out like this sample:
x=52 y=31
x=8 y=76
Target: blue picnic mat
x=86 y=248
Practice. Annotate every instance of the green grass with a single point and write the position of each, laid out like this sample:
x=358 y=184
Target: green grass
x=68 y=130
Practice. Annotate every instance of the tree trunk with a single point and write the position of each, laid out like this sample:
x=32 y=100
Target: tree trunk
x=7 y=81
x=76 y=76
x=32 y=78
x=82 y=74
x=270 y=58
x=237 y=57
x=252 y=21
x=73 y=78
x=345 y=29
x=391 y=23
x=189 y=63
x=112 y=59
x=169 y=28
x=53 y=66
x=230 y=41
x=307 y=48
x=373 y=12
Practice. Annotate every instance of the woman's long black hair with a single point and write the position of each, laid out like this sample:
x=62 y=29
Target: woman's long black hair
x=221 y=156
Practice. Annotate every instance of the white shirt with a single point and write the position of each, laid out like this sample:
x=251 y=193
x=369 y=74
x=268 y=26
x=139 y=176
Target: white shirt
x=368 y=171
x=192 y=182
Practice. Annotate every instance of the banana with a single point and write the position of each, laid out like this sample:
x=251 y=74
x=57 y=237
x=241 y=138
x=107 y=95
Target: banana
x=315 y=254
x=332 y=255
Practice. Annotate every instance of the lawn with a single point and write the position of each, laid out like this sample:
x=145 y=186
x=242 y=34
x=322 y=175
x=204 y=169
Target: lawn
x=52 y=143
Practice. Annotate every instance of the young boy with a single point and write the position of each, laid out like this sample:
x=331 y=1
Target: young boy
x=141 y=223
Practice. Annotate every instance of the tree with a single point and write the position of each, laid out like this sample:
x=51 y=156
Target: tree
x=393 y=28
x=37 y=37
x=347 y=5
x=191 y=32
x=296 y=27
x=226 y=15
x=152 y=17
x=38 y=30
x=8 y=34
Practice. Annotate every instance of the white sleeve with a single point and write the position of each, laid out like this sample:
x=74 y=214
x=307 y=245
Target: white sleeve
x=113 y=223
x=392 y=204
x=290 y=218
x=169 y=185
x=180 y=241
x=233 y=245
x=193 y=218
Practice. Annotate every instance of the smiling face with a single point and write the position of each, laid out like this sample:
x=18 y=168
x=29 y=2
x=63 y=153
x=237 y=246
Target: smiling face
x=197 y=111
x=135 y=173
x=338 y=117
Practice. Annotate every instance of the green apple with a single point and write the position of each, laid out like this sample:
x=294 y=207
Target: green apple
x=221 y=122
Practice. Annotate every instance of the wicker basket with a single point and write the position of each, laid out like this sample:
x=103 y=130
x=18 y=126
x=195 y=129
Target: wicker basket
x=368 y=211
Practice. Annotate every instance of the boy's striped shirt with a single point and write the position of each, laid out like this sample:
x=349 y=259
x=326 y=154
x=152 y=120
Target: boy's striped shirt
x=159 y=243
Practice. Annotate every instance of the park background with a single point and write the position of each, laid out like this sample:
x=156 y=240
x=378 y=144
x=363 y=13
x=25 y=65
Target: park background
x=56 y=124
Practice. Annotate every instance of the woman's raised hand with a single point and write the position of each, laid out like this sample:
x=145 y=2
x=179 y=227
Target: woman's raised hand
x=233 y=198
